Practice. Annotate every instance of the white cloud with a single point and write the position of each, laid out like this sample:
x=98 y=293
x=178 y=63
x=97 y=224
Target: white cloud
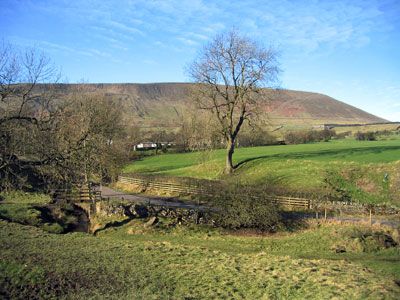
x=123 y=27
x=187 y=41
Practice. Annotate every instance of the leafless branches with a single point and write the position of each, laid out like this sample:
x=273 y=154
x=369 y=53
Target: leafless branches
x=229 y=72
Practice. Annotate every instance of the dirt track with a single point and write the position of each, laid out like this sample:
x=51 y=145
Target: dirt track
x=107 y=192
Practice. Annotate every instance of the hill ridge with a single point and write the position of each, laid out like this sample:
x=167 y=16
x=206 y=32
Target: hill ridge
x=157 y=103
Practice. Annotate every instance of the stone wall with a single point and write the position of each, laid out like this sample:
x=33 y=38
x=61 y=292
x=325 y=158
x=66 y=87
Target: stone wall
x=134 y=210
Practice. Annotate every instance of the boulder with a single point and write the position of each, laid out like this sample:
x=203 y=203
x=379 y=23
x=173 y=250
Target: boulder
x=151 y=222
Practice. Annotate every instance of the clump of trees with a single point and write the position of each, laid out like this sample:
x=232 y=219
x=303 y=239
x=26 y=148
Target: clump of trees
x=47 y=138
x=230 y=72
x=309 y=136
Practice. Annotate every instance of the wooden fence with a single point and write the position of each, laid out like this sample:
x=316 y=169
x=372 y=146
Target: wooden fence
x=170 y=187
x=193 y=187
x=82 y=194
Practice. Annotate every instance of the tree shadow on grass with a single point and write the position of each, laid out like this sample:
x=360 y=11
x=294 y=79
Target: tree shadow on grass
x=321 y=153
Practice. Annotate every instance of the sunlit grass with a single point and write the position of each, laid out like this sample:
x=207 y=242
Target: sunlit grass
x=192 y=164
x=191 y=263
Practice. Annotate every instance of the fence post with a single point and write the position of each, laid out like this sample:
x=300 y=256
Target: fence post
x=370 y=217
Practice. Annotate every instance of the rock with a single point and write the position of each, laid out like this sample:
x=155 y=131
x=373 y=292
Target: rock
x=384 y=240
x=340 y=249
x=140 y=211
x=151 y=222
x=396 y=235
x=95 y=227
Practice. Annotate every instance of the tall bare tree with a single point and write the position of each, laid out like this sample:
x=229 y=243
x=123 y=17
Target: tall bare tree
x=230 y=72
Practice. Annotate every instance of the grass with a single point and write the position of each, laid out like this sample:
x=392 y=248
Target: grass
x=296 y=167
x=186 y=164
x=22 y=207
x=131 y=262
x=24 y=198
x=28 y=209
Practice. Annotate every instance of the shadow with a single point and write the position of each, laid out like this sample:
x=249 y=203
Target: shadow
x=45 y=214
x=114 y=224
x=117 y=224
x=323 y=153
x=294 y=221
x=81 y=224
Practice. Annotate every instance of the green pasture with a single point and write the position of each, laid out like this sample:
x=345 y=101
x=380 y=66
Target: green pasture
x=164 y=262
x=195 y=164
x=296 y=167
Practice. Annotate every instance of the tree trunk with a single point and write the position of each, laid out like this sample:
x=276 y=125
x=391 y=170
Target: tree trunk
x=229 y=156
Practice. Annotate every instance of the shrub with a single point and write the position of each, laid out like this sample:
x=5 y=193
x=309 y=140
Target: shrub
x=234 y=207
x=309 y=136
x=343 y=135
x=256 y=138
x=362 y=239
x=365 y=136
x=53 y=228
x=336 y=186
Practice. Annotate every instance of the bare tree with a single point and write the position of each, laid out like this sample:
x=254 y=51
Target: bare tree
x=50 y=137
x=230 y=72
x=26 y=110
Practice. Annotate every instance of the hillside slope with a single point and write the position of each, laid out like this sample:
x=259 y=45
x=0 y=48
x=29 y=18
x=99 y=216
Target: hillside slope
x=160 y=105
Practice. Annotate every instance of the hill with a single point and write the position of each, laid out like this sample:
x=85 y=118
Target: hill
x=161 y=104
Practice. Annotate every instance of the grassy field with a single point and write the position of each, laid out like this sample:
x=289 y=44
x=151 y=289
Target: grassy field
x=134 y=262
x=130 y=260
x=297 y=167
x=35 y=209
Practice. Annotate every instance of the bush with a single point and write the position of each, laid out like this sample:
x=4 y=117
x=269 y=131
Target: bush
x=233 y=207
x=362 y=239
x=309 y=136
x=343 y=135
x=53 y=228
x=255 y=138
x=365 y=136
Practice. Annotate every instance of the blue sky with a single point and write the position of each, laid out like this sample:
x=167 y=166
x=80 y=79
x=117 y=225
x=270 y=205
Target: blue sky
x=349 y=50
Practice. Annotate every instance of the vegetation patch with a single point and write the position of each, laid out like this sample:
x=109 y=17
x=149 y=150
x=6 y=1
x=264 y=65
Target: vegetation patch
x=186 y=262
x=296 y=169
x=34 y=209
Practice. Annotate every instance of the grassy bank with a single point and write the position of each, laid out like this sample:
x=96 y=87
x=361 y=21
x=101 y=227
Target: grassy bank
x=35 y=209
x=297 y=167
x=134 y=262
x=189 y=164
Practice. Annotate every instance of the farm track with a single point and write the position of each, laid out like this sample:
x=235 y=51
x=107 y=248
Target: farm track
x=172 y=202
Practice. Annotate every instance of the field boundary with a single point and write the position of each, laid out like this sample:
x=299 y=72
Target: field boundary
x=180 y=188
x=144 y=183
